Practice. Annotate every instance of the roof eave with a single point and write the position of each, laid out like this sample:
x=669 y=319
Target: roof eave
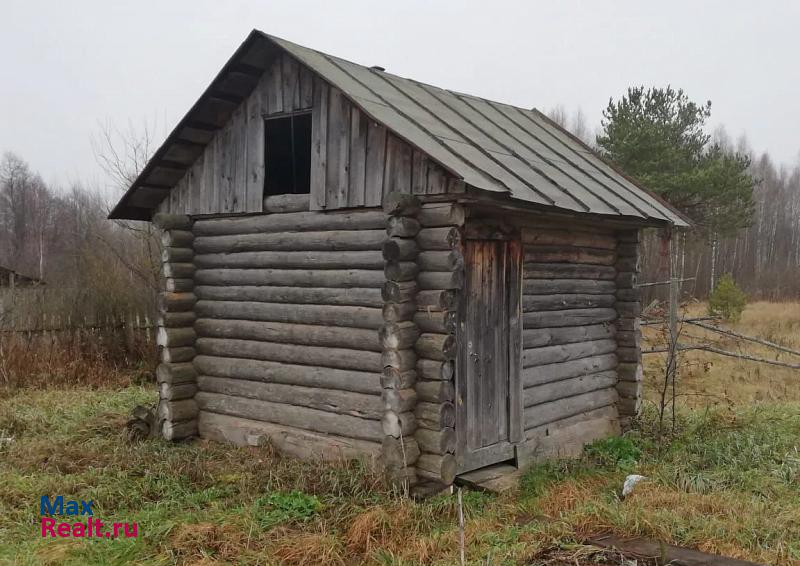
x=680 y=220
x=522 y=206
x=123 y=210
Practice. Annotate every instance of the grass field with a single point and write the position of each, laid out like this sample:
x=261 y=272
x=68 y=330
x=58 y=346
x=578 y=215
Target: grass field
x=729 y=483
x=712 y=380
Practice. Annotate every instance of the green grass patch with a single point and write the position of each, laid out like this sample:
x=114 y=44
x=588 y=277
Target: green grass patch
x=286 y=507
x=728 y=482
x=617 y=452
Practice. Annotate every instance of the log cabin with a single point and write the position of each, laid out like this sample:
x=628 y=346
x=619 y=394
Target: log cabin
x=359 y=265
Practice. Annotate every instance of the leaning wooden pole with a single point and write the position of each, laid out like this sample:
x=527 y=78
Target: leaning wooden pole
x=744 y=337
x=674 y=300
x=176 y=417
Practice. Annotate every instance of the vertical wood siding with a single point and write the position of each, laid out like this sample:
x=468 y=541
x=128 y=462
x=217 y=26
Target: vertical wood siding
x=228 y=177
x=354 y=160
x=486 y=325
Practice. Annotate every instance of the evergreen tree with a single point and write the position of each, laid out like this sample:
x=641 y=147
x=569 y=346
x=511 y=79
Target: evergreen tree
x=657 y=135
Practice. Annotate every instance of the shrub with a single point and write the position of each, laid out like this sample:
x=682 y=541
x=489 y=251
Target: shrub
x=727 y=299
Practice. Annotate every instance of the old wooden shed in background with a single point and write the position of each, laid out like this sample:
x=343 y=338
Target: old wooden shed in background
x=357 y=264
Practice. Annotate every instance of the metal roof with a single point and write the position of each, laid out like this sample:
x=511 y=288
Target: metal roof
x=490 y=145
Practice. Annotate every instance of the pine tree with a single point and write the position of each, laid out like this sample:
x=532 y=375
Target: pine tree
x=657 y=135
x=727 y=299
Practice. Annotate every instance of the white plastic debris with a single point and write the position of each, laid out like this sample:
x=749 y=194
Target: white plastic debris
x=630 y=483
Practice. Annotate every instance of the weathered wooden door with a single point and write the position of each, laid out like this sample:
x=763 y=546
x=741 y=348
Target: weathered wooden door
x=489 y=403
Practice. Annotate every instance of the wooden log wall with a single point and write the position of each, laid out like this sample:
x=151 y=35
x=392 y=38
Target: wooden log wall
x=629 y=335
x=177 y=380
x=288 y=317
x=398 y=336
x=569 y=358
x=439 y=281
x=355 y=161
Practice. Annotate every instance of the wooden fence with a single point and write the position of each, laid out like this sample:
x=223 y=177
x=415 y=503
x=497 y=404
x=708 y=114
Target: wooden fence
x=53 y=323
x=132 y=335
x=53 y=350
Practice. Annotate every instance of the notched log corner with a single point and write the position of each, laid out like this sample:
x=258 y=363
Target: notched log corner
x=142 y=424
x=152 y=422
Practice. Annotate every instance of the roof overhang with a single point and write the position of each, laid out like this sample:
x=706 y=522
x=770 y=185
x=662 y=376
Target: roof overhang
x=186 y=143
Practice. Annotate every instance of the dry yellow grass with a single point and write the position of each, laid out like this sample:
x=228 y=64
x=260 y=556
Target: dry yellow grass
x=307 y=549
x=708 y=379
x=728 y=483
x=194 y=542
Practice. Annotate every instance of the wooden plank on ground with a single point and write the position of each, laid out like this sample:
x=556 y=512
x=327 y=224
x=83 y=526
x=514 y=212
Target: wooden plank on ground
x=665 y=553
x=494 y=479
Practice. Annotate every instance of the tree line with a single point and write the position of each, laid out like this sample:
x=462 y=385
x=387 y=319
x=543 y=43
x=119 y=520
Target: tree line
x=92 y=268
x=744 y=207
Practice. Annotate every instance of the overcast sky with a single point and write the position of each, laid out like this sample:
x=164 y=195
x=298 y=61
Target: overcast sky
x=66 y=67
